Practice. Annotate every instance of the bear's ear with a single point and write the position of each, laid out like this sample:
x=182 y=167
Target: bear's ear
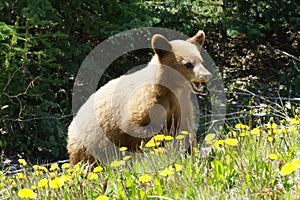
x=161 y=46
x=198 y=39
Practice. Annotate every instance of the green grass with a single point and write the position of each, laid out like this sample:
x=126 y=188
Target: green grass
x=247 y=162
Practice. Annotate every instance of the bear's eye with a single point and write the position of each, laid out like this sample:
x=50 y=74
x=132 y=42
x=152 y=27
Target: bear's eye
x=189 y=65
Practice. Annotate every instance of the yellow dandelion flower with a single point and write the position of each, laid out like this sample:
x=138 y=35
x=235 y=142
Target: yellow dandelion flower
x=232 y=134
x=92 y=176
x=14 y=185
x=255 y=131
x=184 y=132
x=33 y=187
x=178 y=167
x=145 y=178
x=298 y=186
x=65 y=166
x=272 y=125
x=102 y=197
x=38 y=173
x=179 y=137
x=117 y=163
x=295 y=121
x=273 y=156
x=242 y=126
x=66 y=178
x=195 y=150
x=292 y=128
x=21 y=176
x=56 y=183
x=243 y=134
x=54 y=167
x=40 y=168
x=152 y=143
x=283 y=130
x=98 y=169
x=288 y=168
x=218 y=144
x=159 y=150
x=209 y=138
x=270 y=139
x=168 y=138
x=231 y=142
x=53 y=175
x=126 y=158
x=159 y=137
x=123 y=149
x=166 y=172
x=22 y=162
x=27 y=193
x=296 y=162
x=43 y=183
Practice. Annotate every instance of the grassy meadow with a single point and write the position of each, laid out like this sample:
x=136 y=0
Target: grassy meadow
x=247 y=161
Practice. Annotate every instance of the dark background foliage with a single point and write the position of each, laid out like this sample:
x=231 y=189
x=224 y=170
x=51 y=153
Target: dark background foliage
x=44 y=42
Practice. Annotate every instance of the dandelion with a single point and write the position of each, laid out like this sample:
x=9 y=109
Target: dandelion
x=54 y=167
x=295 y=121
x=123 y=149
x=255 y=131
x=283 y=130
x=195 y=150
x=43 y=183
x=166 y=172
x=296 y=162
x=102 y=197
x=209 y=138
x=272 y=125
x=184 y=132
x=273 y=156
x=21 y=176
x=179 y=137
x=152 y=143
x=218 y=144
x=22 y=162
x=232 y=134
x=270 y=139
x=33 y=187
x=243 y=134
x=177 y=167
x=98 y=169
x=40 y=168
x=168 y=138
x=126 y=158
x=288 y=168
x=92 y=176
x=145 y=178
x=231 y=142
x=159 y=150
x=56 y=183
x=66 y=178
x=242 y=126
x=292 y=128
x=158 y=137
x=117 y=163
x=65 y=166
x=27 y=193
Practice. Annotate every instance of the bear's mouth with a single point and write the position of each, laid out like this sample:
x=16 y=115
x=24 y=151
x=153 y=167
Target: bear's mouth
x=197 y=86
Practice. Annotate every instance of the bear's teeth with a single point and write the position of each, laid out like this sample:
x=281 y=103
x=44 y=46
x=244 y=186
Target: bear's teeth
x=197 y=86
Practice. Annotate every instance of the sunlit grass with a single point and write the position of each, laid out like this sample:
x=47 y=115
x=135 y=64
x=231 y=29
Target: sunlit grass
x=249 y=161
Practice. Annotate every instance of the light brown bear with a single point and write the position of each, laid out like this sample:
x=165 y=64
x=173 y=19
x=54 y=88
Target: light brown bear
x=136 y=106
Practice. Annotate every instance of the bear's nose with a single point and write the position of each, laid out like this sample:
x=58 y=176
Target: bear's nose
x=207 y=76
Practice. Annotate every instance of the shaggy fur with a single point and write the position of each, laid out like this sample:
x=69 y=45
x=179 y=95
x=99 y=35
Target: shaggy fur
x=133 y=107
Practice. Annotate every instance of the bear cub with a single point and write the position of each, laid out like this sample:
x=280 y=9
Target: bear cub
x=134 y=107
